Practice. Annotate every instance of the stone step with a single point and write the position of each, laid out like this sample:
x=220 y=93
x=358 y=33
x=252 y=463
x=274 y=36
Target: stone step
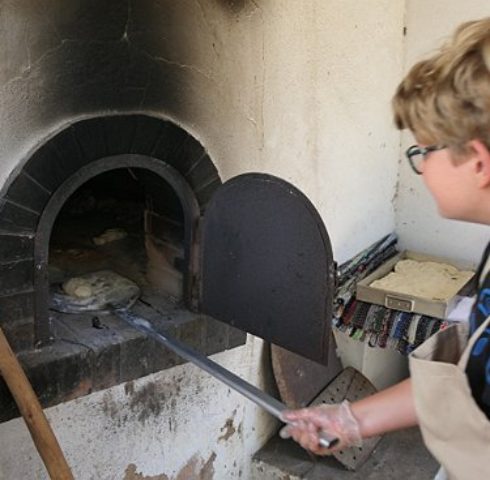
x=397 y=455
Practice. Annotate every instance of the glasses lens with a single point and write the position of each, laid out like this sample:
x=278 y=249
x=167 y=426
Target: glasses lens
x=415 y=157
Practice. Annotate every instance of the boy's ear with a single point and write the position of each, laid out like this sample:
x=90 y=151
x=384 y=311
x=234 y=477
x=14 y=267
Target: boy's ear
x=481 y=160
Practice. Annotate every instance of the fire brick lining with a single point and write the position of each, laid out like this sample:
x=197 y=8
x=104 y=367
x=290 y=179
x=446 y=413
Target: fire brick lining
x=66 y=370
x=14 y=218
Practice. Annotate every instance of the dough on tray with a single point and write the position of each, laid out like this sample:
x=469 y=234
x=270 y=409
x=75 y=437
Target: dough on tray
x=429 y=280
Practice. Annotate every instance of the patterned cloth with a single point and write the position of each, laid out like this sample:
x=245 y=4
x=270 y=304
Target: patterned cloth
x=382 y=327
x=377 y=325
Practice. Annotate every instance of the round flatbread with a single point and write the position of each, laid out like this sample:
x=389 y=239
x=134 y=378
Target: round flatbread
x=95 y=292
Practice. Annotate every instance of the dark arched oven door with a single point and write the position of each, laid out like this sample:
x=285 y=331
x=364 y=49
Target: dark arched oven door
x=267 y=265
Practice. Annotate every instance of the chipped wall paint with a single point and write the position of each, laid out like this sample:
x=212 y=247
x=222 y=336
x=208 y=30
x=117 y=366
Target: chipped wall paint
x=179 y=424
x=417 y=221
x=296 y=89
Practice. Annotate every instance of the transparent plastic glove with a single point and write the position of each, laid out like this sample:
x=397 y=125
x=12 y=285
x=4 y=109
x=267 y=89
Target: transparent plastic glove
x=336 y=420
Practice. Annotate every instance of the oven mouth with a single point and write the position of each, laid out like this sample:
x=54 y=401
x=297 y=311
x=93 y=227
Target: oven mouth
x=83 y=233
x=121 y=232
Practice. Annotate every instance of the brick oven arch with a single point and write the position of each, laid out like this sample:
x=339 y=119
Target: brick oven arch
x=60 y=196
x=87 y=148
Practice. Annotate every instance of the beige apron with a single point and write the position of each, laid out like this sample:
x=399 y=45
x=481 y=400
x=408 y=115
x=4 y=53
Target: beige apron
x=454 y=428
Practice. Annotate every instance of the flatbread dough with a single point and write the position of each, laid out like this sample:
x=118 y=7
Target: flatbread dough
x=429 y=280
x=78 y=287
x=110 y=235
x=96 y=291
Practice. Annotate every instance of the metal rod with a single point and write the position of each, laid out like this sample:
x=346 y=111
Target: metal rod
x=273 y=406
x=262 y=399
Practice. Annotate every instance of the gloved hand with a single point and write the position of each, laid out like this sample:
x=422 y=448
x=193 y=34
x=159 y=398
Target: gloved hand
x=336 y=420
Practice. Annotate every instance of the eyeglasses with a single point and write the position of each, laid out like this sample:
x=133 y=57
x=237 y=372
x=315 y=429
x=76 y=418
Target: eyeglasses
x=416 y=155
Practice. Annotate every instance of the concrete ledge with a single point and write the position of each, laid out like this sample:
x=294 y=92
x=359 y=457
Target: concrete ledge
x=92 y=353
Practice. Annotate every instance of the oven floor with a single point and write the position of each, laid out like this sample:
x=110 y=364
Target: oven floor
x=398 y=455
x=73 y=253
x=126 y=257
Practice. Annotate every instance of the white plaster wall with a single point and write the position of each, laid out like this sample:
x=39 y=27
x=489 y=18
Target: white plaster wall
x=330 y=69
x=179 y=424
x=297 y=89
x=417 y=221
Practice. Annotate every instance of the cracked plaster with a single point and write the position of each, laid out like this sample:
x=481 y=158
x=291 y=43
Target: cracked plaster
x=77 y=59
x=264 y=86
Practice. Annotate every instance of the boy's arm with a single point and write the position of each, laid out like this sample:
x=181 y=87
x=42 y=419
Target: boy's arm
x=388 y=410
x=385 y=411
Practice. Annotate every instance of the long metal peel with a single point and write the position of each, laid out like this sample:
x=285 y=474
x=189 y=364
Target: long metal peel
x=262 y=399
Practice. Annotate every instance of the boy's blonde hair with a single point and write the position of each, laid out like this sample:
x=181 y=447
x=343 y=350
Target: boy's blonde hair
x=445 y=99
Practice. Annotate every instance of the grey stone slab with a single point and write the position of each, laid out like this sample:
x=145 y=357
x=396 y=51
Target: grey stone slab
x=399 y=455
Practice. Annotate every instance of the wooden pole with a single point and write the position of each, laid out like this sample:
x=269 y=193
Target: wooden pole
x=32 y=412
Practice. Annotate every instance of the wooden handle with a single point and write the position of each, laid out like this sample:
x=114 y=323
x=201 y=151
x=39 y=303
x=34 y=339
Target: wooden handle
x=33 y=414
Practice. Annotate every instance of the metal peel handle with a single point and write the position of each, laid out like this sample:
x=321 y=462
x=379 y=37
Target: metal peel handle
x=262 y=399
x=326 y=441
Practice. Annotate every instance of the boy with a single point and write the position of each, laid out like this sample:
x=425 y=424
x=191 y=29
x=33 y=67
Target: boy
x=445 y=102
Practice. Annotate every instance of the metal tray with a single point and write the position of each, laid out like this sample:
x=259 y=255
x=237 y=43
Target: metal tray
x=409 y=303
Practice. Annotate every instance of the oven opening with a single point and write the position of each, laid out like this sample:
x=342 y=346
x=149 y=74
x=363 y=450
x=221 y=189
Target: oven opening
x=128 y=222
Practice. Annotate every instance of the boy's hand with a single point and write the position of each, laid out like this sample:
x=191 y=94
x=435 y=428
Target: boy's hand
x=335 y=420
